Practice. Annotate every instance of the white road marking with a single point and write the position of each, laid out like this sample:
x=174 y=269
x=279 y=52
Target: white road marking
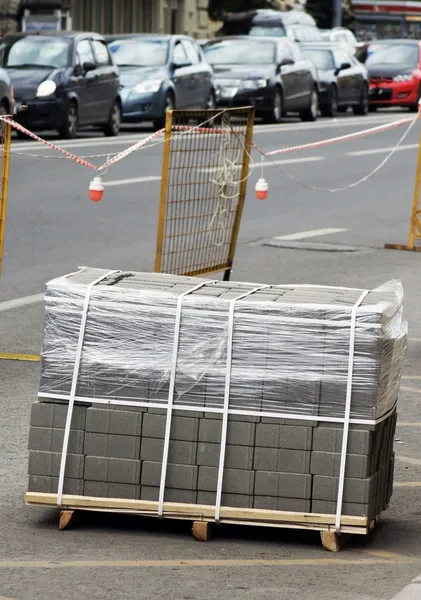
x=301 y=235
x=132 y=180
x=19 y=302
x=256 y=164
x=382 y=150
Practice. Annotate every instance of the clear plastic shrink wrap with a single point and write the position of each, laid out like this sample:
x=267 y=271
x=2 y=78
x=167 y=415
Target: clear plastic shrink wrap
x=290 y=349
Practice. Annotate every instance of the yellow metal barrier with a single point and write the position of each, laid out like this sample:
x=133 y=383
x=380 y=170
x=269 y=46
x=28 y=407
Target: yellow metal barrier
x=203 y=187
x=5 y=142
x=415 y=226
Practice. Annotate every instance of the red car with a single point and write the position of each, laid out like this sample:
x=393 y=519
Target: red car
x=394 y=69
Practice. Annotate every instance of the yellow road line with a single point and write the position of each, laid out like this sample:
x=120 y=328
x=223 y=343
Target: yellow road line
x=415 y=377
x=410 y=389
x=414 y=484
x=119 y=564
x=408 y=459
x=23 y=357
x=409 y=424
x=386 y=554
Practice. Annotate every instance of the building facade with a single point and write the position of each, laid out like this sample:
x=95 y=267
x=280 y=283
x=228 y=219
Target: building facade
x=376 y=19
x=116 y=16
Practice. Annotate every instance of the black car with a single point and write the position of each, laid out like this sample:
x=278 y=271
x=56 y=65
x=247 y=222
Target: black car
x=343 y=81
x=159 y=73
x=63 y=81
x=268 y=73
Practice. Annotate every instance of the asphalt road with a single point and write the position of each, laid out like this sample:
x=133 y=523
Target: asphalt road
x=52 y=228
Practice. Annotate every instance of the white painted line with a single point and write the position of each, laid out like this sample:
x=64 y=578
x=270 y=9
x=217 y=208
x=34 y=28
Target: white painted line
x=382 y=150
x=19 y=302
x=271 y=163
x=301 y=235
x=132 y=180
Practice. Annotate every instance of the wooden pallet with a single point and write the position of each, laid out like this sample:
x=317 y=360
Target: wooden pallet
x=203 y=516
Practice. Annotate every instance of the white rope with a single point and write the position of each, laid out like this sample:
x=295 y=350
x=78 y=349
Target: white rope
x=171 y=393
x=347 y=410
x=79 y=349
x=224 y=430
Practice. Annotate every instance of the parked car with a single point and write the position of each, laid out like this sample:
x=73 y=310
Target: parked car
x=62 y=80
x=394 y=69
x=268 y=73
x=295 y=24
x=7 y=101
x=343 y=81
x=342 y=36
x=160 y=73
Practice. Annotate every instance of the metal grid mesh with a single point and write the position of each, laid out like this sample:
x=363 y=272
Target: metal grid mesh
x=204 y=181
x=5 y=138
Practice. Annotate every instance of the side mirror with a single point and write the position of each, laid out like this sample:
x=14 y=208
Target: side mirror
x=89 y=66
x=285 y=62
x=181 y=64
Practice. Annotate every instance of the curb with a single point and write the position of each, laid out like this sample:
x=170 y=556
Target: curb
x=411 y=591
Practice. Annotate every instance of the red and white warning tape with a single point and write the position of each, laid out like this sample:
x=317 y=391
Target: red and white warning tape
x=200 y=129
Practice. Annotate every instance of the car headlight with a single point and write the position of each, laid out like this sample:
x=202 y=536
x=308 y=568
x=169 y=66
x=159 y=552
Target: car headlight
x=150 y=85
x=46 y=88
x=406 y=77
x=253 y=84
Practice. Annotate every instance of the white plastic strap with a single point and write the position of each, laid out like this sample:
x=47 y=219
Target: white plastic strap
x=171 y=394
x=75 y=376
x=347 y=411
x=224 y=430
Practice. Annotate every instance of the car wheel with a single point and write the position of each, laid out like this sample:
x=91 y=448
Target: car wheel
x=310 y=113
x=276 y=112
x=211 y=101
x=372 y=108
x=342 y=109
x=3 y=112
x=331 y=108
x=70 y=122
x=112 y=127
x=169 y=104
x=362 y=107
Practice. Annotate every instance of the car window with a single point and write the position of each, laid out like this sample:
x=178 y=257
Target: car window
x=294 y=51
x=404 y=55
x=101 y=52
x=179 y=55
x=240 y=52
x=191 y=52
x=84 y=52
x=283 y=52
x=39 y=51
x=139 y=52
x=342 y=57
x=323 y=59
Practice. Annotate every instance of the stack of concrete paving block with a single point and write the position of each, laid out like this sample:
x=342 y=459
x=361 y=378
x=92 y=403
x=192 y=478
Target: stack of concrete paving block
x=290 y=356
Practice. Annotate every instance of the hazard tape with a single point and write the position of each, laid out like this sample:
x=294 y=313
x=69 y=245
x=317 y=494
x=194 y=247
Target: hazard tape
x=209 y=130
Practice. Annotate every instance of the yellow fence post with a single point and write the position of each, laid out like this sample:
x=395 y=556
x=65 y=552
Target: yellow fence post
x=415 y=226
x=5 y=162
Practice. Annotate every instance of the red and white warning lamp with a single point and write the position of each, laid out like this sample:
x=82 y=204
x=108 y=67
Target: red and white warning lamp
x=96 y=189
x=262 y=189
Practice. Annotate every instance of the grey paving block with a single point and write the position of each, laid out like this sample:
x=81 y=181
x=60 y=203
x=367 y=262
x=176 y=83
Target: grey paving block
x=45 y=414
x=48 y=464
x=360 y=491
x=235 y=481
x=118 y=407
x=51 y=440
x=184 y=429
x=101 y=489
x=171 y=495
x=112 y=470
x=327 y=439
x=182 y=477
x=112 y=446
x=180 y=453
x=284 y=436
x=282 y=460
x=353 y=509
x=49 y=485
x=233 y=500
x=114 y=422
x=283 y=485
x=236 y=457
x=328 y=463
x=285 y=421
x=284 y=504
x=239 y=434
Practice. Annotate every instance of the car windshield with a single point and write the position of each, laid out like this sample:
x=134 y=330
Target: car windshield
x=402 y=55
x=240 y=52
x=262 y=31
x=37 y=51
x=323 y=59
x=139 y=53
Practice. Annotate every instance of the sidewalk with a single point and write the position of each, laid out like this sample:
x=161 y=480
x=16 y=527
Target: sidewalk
x=411 y=591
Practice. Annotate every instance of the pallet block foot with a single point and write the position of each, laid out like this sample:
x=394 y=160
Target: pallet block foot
x=66 y=518
x=201 y=531
x=332 y=541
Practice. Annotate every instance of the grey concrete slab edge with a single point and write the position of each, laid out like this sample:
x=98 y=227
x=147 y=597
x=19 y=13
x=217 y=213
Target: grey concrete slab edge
x=411 y=591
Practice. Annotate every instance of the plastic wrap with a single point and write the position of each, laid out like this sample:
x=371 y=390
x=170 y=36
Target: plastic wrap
x=290 y=345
